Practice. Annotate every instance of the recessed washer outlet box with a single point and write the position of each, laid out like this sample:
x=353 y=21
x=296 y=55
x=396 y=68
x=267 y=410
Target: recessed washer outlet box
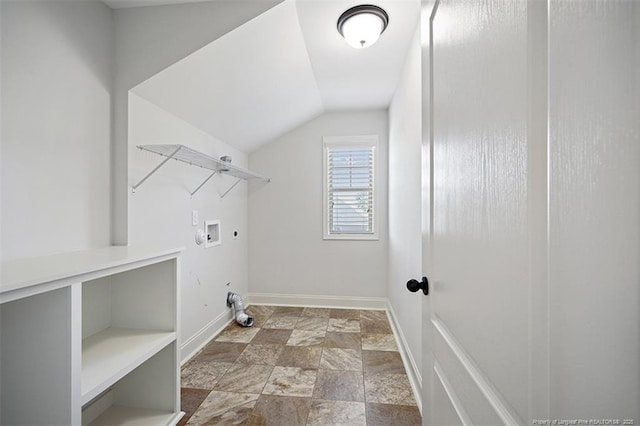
x=212 y=231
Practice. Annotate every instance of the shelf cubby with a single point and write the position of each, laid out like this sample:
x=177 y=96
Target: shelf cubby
x=109 y=355
x=143 y=396
x=91 y=337
x=36 y=360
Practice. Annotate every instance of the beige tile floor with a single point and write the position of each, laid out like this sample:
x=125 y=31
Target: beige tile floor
x=300 y=366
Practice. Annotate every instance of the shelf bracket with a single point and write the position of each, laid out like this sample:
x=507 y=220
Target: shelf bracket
x=232 y=186
x=202 y=184
x=134 y=187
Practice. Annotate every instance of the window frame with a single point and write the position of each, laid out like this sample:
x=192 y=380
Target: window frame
x=370 y=141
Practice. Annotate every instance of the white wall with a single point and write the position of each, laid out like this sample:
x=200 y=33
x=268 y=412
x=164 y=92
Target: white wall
x=405 y=242
x=287 y=254
x=1 y=131
x=56 y=126
x=160 y=213
x=147 y=40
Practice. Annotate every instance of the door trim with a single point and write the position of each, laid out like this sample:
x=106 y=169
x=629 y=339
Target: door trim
x=452 y=395
x=497 y=403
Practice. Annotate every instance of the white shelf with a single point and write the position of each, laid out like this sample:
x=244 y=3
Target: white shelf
x=27 y=277
x=196 y=158
x=113 y=353
x=119 y=415
x=124 y=300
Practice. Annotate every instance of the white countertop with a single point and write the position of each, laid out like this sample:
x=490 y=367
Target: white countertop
x=23 y=273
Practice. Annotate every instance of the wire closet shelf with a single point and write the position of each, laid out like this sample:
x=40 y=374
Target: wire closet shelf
x=192 y=157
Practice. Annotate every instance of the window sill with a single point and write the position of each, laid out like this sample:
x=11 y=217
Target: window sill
x=352 y=237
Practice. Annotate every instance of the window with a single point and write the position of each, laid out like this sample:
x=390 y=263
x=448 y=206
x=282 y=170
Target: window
x=349 y=187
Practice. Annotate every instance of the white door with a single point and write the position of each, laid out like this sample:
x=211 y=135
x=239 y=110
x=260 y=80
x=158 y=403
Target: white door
x=532 y=230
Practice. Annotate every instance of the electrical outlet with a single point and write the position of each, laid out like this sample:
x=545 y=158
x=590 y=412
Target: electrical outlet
x=194 y=218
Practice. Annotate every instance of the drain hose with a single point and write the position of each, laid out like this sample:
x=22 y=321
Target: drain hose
x=242 y=318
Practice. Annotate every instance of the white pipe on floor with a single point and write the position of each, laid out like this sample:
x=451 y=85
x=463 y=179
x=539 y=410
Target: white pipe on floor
x=238 y=306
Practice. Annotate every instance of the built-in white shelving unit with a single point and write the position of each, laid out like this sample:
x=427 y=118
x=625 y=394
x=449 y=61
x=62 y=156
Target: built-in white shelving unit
x=195 y=158
x=91 y=337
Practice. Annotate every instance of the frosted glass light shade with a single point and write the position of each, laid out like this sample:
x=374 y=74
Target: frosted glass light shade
x=362 y=25
x=362 y=30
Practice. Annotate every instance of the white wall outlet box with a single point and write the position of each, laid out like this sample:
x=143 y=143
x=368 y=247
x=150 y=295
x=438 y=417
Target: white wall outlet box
x=194 y=218
x=212 y=231
x=200 y=237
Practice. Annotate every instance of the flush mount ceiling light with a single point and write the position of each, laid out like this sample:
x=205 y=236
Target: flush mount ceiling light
x=362 y=25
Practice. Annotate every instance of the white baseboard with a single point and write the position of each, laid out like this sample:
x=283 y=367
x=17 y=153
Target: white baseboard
x=317 y=301
x=199 y=340
x=413 y=371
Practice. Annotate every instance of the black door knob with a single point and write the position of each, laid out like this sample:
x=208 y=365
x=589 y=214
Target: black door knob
x=415 y=285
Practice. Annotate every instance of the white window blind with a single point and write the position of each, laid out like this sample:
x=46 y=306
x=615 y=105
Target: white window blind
x=350 y=189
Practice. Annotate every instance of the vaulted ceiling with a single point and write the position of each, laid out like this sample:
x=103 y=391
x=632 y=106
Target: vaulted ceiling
x=282 y=69
x=121 y=4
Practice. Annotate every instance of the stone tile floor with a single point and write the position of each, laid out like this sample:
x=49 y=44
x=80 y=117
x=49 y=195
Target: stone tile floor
x=300 y=366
